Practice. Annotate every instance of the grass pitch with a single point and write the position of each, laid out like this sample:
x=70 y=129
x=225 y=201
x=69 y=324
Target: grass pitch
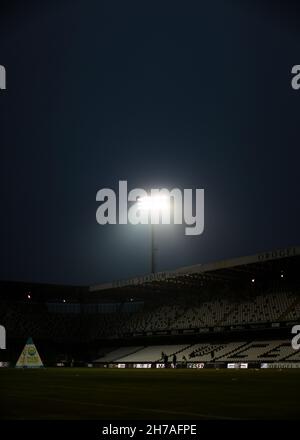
x=149 y=394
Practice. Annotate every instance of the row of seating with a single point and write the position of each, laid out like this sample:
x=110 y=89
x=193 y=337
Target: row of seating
x=261 y=309
x=243 y=351
x=36 y=320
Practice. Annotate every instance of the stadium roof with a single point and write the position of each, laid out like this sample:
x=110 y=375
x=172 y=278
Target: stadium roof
x=225 y=269
x=266 y=268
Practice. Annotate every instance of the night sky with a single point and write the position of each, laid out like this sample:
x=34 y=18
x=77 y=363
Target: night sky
x=178 y=94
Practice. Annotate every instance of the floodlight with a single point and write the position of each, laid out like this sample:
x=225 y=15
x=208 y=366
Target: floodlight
x=154 y=203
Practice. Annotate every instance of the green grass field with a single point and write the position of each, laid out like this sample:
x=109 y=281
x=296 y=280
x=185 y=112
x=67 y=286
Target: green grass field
x=149 y=394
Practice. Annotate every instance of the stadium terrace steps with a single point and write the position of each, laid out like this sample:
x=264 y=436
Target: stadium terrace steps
x=118 y=353
x=201 y=352
x=255 y=351
x=204 y=353
x=262 y=308
x=258 y=351
x=230 y=349
x=226 y=315
x=292 y=357
x=293 y=311
x=278 y=351
x=152 y=353
x=180 y=350
x=272 y=307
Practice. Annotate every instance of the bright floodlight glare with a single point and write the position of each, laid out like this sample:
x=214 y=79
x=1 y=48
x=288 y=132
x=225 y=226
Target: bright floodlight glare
x=154 y=203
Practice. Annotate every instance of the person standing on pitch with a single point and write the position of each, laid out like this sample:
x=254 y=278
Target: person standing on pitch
x=166 y=360
x=174 y=360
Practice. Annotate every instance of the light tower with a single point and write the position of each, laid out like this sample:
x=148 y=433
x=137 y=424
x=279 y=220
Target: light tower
x=155 y=205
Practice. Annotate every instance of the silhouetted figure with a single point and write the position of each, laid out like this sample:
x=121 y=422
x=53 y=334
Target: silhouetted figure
x=174 y=360
x=166 y=360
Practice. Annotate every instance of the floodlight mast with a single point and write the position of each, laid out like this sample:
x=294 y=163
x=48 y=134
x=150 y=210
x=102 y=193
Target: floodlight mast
x=153 y=204
x=153 y=249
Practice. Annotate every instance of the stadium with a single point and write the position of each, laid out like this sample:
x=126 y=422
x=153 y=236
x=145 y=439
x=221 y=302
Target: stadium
x=149 y=258
x=204 y=329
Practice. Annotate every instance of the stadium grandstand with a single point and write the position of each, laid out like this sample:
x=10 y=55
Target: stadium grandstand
x=238 y=311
